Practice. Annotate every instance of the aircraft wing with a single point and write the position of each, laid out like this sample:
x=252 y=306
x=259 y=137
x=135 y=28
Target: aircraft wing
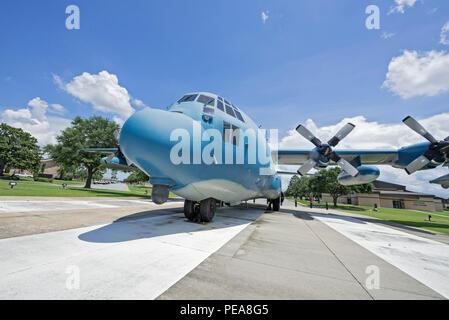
x=373 y=157
x=101 y=150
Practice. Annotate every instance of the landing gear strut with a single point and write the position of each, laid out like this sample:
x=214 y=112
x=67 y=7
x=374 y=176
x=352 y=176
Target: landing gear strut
x=203 y=211
x=274 y=203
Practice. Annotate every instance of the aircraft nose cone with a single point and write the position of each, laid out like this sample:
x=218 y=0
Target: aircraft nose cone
x=145 y=139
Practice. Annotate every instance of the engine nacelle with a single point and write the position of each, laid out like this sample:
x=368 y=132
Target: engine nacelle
x=366 y=174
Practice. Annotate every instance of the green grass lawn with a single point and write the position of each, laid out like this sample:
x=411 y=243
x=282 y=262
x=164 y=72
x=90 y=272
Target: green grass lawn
x=58 y=182
x=43 y=190
x=412 y=218
x=28 y=188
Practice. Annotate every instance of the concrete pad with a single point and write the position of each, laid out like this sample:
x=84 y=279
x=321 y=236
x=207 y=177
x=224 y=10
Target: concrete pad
x=128 y=259
x=423 y=259
x=64 y=204
x=111 y=186
x=292 y=255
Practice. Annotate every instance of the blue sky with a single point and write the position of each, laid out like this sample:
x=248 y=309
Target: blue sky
x=309 y=59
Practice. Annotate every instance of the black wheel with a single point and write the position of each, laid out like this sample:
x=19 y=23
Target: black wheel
x=276 y=204
x=207 y=210
x=189 y=210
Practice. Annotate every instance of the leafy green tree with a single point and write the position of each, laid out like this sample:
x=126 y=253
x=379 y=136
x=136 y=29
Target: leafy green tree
x=136 y=177
x=363 y=188
x=18 y=149
x=326 y=181
x=94 y=132
x=293 y=190
x=331 y=185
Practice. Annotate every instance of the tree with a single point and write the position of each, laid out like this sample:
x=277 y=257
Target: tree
x=328 y=183
x=95 y=132
x=18 y=149
x=332 y=186
x=363 y=188
x=136 y=177
x=293 y=190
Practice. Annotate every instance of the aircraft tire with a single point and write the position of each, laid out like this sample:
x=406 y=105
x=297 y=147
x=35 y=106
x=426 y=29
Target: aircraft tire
x=189 y=210
x=207 y=209
x=276 y=204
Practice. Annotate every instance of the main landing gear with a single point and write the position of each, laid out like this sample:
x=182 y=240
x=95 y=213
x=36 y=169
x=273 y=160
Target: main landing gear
x=274 y=204
x=203 y=211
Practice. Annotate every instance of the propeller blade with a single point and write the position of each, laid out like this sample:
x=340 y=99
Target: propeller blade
x=347 y=167
x=447 y=139
x=306 y=167
x=308 y=135
x=417 y=164
x=418 y=128
x=341 y=134
x=117 y=134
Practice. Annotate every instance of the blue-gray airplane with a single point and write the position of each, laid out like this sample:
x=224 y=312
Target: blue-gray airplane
x=162 y=143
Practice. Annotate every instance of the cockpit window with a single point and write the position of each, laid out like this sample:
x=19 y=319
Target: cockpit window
x=206 y=100
x=188 y=97
x=220 y=105
x=208 y=110
x=239 y=116
x=220 y=98
x=227 y=102
x=230 y=111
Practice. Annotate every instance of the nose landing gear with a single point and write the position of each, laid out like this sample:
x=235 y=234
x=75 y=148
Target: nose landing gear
x=203 y=211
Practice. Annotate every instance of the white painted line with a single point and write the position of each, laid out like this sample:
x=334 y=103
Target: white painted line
x=425 y=260
x=28 y=206
x=135 y=259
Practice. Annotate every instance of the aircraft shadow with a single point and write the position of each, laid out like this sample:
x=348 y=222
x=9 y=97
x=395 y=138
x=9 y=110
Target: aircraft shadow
x=158 y=223
x=412 y=226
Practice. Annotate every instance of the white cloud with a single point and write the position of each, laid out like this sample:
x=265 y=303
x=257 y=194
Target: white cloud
x=401 y=5
x=432 y=11
x=139 y=103
x=118 y=120
x=35 y=121
x=413 y=74
x=102 y=90
x=375 y=135
x=444 y=36
x=265 y=16
x=387 y=35
x=57 y=108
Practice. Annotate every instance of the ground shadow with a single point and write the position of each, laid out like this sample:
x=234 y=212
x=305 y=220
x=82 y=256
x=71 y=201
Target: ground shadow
x=157 y=223
x=410 y=226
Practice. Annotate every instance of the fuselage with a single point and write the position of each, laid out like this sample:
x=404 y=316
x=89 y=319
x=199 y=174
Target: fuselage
x=201 y=147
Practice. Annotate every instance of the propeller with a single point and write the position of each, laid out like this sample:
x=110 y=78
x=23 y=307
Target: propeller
x=325 y=150
x=436 y=148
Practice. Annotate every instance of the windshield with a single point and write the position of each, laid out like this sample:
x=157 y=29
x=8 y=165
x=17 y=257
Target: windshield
x=188 y=97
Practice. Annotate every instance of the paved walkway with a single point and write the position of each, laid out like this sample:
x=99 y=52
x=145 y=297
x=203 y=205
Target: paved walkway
x=141 y=251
